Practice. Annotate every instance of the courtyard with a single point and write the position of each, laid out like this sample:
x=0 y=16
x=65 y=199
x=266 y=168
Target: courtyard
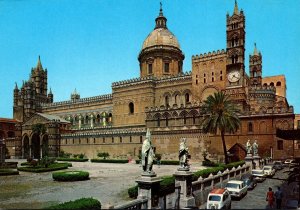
x=108 y=183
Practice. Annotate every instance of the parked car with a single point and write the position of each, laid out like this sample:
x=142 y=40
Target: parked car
x=278 y=165
x=249 y=181
x=287 y=162
x=259 y=175
x=218 y=199
x=236 y=188
x=269 y=170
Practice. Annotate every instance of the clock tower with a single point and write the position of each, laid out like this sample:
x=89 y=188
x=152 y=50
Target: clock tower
x=235 y=32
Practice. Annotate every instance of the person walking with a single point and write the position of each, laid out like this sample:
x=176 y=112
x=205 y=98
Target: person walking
x=278 y=196
x=270 y=198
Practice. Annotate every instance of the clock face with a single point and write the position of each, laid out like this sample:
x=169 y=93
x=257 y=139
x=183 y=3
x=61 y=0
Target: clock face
x=234 y=76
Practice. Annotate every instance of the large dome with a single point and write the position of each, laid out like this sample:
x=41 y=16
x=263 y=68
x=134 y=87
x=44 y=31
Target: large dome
x=161 y=36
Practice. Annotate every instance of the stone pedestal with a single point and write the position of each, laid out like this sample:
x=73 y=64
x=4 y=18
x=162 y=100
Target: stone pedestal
x=149 y=185
x=184 y=177
x=249 y=160
x=256 y=160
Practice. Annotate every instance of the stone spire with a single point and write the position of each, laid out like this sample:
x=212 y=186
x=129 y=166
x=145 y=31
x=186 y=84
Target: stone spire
x=255 y=52
x=50 y=92
x=236 y=9
x=16 y=86
x=161 y=20
x=39 y=64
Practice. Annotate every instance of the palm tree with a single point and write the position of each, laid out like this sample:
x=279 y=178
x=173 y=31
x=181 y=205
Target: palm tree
x=219 y=113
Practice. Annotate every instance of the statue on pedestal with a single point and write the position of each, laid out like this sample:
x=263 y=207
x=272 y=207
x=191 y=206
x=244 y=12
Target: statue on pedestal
x=248 y=147
x=147 y=154
x=255 y=148
x=183 y=154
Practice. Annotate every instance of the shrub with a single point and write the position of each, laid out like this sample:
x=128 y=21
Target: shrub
x=108 y=161
x=209 y=163
x=104 y=155
x=64 y=154
x=82 y=203
x=81 y=155
x=66 y=176
x=169 y=162
x=6 y=172
x=39 y=169
x=133 y=192
x=73 y=159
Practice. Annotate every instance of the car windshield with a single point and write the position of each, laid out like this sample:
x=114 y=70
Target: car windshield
x=257 y=172
x=232 y=185
x=214 y=198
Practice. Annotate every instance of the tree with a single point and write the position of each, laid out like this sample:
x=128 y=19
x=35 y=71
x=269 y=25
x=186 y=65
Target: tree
x=219 y=113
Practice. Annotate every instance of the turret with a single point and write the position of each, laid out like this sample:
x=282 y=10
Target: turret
x=50 y=96
x=75 y=95
x=255 y=67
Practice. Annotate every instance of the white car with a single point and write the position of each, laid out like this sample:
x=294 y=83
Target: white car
x=236 y=188
x=269 y=171
x=218 y=199
x=259 y=175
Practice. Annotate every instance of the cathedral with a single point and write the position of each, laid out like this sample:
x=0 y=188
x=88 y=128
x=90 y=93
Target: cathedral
x=164 y=99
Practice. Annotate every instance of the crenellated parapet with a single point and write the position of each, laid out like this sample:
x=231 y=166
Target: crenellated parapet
x=209 y=56
x=149 y=79
x=101 y=98
x=262 y=92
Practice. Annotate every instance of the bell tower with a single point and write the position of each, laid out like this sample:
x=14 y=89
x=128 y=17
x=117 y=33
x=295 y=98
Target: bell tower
x=235 y=45
x=255 y=66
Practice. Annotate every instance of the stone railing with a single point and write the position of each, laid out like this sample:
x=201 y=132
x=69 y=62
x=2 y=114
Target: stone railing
x=202 y=187
x=135 y=204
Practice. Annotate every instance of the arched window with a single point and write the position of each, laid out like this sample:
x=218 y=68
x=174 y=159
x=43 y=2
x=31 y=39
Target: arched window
x=232 y=42
x=272 y=84
x=265 y=84
x=110 y=117
x=212 y=79
x=278 y=83
x=194 y=120
x=204 y=80
x=167 y=121
x=232 y=59
x=98 y=118
x=166 y=101
x=131 y=108
x=187 y=97
x=158 y=122
x=86 y=119
x=250 y=127
x=150 y=68
x=184 y=119
x=176 y=96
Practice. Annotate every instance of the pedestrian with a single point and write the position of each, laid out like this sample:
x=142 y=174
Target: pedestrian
x=278 y=196
x=270 y=198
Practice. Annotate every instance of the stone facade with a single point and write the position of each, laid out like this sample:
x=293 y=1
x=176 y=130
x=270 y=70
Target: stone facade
x=164 y=99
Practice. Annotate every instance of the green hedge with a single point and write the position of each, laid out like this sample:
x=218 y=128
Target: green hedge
x=133 y=192
x=162 y=162
x=66 y=176
x=73 y=159
x=6 y=172
x=108 y=161
x=82 y=203
x=37 y=169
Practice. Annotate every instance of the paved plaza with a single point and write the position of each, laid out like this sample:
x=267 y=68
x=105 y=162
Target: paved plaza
x=108 y=183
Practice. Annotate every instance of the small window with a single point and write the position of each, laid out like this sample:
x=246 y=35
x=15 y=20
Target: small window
x=167 y=122
x=121 y=139
x=221 y=78
x=250 y=127
x=87 y=140
x=130 y=139
x=150 y=68
x=184 y=120
x=112 y=140
x=280 y=145
x=94 y=140
x=166 y=101
x=272 y=84
x=79 y=141
x=158 y=122
x=196 y=82
x=131 y=108
x=176 y=96
x=212 y=73
x=167 y=67
x=204 y=80
x=141 y=139
x=278 y=83
x=212 y=79
x=187 y=97
x=103 y=140
x=204 y=75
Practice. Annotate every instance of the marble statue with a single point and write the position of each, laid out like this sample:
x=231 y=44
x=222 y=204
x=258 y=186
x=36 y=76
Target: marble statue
x=248 y=147
x=147 y=153
x=183 y=154
x=255 y=148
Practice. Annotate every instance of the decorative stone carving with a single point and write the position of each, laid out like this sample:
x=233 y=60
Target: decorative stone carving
x=147 y=155
x=183 y=154
x=255 y=148
x=248 y=147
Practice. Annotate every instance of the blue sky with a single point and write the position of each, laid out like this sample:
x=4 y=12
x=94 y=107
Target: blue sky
x=88 y=44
